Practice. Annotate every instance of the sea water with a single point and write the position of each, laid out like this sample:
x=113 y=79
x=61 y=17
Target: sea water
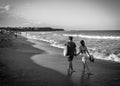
x=103 y=45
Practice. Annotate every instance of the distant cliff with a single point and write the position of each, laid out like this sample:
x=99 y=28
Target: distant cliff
x=31 y=29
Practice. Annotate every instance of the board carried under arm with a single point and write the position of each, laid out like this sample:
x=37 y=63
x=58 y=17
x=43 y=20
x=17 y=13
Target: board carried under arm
x=65 y=51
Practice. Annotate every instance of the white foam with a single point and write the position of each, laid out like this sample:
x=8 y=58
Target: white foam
x=99 y=37
x=61 y=46
x=74 y=35
x=111 y=57
x=93 y=37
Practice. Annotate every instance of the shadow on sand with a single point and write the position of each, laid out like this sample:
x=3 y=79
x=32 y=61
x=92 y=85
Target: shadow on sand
x=85 y=78
x=69 y=73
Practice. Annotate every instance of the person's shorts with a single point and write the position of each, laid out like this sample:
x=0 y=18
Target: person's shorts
x=70 y=58
x=84 y=57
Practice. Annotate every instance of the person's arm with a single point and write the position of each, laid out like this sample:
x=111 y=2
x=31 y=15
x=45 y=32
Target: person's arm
x=65 y=44
x=78 y=52
x=87 y=51
x=75 y=52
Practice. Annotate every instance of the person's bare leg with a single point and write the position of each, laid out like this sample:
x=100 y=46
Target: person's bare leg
x=71 y=67
x=87 y=67
x=83 y=65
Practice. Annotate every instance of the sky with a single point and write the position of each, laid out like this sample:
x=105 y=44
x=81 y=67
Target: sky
x=66 y=14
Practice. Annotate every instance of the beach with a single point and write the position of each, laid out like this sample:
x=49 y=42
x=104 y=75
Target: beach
x=103 y=72
x=33 y=62
x=17 y=69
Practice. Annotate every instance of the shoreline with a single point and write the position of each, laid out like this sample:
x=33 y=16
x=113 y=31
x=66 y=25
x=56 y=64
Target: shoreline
x=17 y=69
x=98 y=54
x=48 y=67
x=103 y=72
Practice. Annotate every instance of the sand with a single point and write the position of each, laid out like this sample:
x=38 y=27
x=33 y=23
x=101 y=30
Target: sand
x=36 y=63
x=17 y=69
x=104 y=73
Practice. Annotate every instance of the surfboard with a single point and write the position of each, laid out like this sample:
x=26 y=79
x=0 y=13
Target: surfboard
x=65 y=51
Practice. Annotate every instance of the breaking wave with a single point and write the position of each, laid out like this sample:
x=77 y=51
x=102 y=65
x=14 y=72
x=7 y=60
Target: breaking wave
x=93 y=51
x=92 y=37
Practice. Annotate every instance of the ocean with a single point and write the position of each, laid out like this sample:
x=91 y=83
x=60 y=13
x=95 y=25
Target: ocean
x=104 y=45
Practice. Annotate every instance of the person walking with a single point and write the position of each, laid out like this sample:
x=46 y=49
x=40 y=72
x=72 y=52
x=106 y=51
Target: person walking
x=84 y=53
x=71 y=52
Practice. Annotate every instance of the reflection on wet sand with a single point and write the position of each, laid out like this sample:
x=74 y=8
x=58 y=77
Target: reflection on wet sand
x=69 y=73
x=85 y=78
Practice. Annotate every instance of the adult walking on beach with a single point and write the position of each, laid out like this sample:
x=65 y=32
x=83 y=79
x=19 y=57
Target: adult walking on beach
x=71 y=52
x=84 y=53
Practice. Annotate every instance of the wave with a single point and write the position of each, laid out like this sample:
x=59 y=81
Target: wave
x=61 y=46
x=93 y=37
x=111 y=57
x=93 y=51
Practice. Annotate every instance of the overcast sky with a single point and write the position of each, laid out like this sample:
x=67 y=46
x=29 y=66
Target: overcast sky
x=67 y=14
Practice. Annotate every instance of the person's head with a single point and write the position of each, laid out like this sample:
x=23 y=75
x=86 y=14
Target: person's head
x=70 y=38
x=82 y=42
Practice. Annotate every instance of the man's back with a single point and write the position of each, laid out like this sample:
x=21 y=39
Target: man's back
x=71 y=47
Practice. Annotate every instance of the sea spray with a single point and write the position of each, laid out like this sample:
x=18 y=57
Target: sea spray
x=93 y=37
x=101 y=47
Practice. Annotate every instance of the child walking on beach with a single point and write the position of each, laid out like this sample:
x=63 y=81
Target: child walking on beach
x=84 y=54
x=71 y=52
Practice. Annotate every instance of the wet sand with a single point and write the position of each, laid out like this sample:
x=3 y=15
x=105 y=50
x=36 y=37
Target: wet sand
x=104 y=73
x=36 y=63
x=17 y=69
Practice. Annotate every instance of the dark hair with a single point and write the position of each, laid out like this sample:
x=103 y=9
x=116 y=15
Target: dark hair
x=82 y=42
x=70 y=38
